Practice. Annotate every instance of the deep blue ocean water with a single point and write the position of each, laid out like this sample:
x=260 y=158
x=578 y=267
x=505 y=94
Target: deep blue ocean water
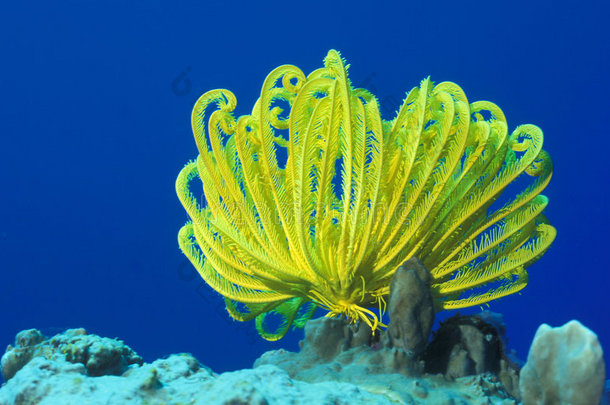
x=95 y=126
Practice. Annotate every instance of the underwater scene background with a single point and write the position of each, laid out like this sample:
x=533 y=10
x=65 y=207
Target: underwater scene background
x=95 y=126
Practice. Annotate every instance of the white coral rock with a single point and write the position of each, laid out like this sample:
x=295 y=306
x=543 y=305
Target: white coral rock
x=565 y=365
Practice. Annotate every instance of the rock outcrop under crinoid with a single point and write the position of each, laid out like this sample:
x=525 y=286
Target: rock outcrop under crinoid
x=411 y=309
x=470 y=350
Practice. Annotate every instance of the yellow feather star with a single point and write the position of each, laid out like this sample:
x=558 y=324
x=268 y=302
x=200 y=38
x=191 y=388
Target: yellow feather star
x=357 y=196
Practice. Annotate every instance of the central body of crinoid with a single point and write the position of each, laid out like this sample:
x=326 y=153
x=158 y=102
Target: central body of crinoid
x=353 y=303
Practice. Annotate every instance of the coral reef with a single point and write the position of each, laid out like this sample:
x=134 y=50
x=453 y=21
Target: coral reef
x=339 y=362
x=177 y=380
x=180 y=379
x=565 y=365
x=99 y=356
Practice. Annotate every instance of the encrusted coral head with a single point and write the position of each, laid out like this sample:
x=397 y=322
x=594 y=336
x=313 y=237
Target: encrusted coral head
x=357 y=196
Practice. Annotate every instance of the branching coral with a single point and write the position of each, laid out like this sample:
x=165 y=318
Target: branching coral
x=357 y=196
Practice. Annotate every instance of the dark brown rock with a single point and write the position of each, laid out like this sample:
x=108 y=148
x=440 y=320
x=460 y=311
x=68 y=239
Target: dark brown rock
x=411 y=308
x=464 y=345
x=472 y=345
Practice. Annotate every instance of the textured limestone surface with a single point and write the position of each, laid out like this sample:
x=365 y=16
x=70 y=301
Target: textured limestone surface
x=353 y=373
x=100 y=356
x=565 y=365
x=178 y=379
x=56 y=376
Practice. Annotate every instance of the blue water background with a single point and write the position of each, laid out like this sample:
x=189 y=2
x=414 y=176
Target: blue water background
x=95 y=126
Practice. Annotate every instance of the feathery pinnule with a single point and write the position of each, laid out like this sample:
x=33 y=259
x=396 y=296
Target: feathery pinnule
x=358 y=196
